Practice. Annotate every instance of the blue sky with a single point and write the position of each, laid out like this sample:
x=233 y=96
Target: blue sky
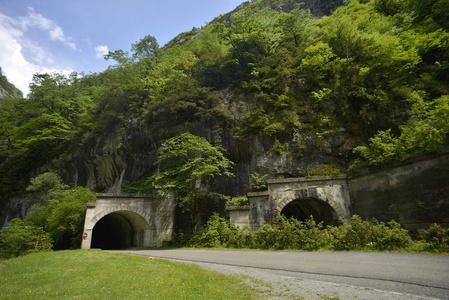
x=44 y=36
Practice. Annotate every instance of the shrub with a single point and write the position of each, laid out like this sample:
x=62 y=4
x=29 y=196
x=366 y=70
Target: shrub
x=322 y=170
x=391 y=237
x=292 y=234
x=436 y=236
x=237 y=201
x=259 y=182
x=44 y=182
x=308 y=235
x=18 y=238
x=369 y=234
x=265 y=237
x=220 y=233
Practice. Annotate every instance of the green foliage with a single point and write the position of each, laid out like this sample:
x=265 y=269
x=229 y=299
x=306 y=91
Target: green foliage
x=436 y=237
x=291 y=234
x=19 y=238
x=66 y=220
x=389 y=7
x=40 y=128
x=306 y=235
x=135 y=187
x=186 y=162
x=237 y=201
x=426 y=130
x=362 y=234
x=44 y=182
x=62 y=216
x=382 y=148
x=9 y=115
x=220 y=233
x=322 y=170
x=301 y=79
x=318 y=56
x=259 y=182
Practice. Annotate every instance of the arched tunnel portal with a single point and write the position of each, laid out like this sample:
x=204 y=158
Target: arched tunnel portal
x=302 y=209
x=118 y=230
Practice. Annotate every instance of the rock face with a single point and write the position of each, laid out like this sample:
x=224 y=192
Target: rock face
x=7 y=89
x=129 y=154
x=318 y=8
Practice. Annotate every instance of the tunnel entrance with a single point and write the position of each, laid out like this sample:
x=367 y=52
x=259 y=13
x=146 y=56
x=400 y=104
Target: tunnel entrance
x=119 y=230
x=302 y=209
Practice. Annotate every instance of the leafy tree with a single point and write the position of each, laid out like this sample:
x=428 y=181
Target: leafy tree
x=65 y=222
x=62 y=216
x=187 y=162
x=427 y=130
x=296 y=25
x=44 y=182
x=10 y=115
x=58 y=94
x=147 y=50
x=252 y=35
x=19 y=238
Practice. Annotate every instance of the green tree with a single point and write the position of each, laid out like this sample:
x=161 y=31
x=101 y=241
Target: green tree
x=186 y=162
x=252 y=35
x=44 y=182
x=19 y=238
x=10 y=115
x=147 y=50
x=426 y=130
x=62 y=216
x=296 y=25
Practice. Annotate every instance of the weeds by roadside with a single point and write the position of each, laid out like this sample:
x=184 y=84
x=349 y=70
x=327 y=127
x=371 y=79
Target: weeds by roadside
x=309 y=235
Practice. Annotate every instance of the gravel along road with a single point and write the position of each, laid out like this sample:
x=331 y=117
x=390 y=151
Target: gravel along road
x=325 y=275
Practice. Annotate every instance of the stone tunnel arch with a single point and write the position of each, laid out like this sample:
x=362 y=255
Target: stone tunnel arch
x=118 y=229
x=302 y=209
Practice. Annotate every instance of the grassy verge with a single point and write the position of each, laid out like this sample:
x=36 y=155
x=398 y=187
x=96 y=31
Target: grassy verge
x=96 y=274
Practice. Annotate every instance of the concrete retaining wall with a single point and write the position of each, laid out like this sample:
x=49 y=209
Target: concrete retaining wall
x=414 y=193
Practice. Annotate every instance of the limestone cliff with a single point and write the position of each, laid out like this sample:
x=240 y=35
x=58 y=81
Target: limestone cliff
x=7 y=89
x=129 y=154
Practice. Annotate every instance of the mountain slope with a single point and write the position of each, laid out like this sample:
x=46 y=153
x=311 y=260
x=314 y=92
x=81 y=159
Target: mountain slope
x=285 y=93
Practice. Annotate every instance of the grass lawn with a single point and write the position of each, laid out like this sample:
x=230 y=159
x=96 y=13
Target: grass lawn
x=94 y=274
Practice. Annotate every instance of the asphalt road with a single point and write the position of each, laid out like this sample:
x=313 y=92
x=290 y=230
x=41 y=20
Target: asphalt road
x=412 y=274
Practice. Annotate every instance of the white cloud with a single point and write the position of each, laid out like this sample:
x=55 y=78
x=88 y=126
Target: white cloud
x=101 y=50
x=14 y=65
x=55 y=32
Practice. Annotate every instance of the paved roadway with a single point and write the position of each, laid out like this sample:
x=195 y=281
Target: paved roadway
x=414 y=274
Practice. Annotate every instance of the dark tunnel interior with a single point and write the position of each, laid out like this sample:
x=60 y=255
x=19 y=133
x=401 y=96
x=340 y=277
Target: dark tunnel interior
x=113 y=231
x=302 y=209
